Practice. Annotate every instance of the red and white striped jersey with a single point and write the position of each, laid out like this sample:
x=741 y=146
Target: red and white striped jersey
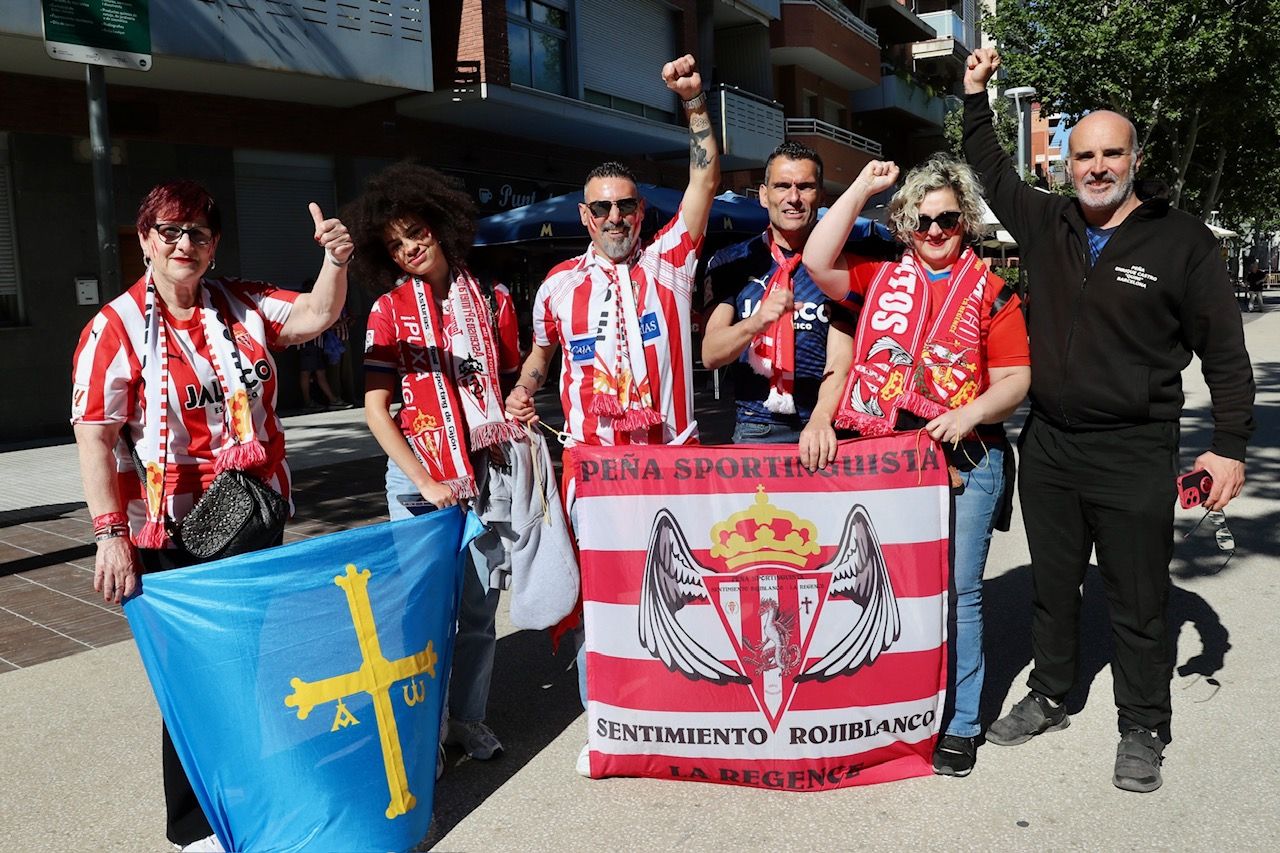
x=107 y=388
x=393 y=323
x=565 y=313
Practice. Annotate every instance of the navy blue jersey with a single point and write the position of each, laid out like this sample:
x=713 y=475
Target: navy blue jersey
x=737 y=276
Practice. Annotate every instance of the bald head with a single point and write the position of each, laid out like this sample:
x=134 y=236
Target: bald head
x=1108 y=122
x=1104 y=157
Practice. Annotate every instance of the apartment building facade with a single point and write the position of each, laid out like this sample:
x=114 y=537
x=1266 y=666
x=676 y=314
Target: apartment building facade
x=274 y=103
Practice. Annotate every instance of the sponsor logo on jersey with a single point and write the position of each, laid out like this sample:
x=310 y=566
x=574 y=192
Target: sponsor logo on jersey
x=649 y=326
x=583 y=349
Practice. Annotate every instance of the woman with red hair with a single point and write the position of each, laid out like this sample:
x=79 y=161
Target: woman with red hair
x=174 y=383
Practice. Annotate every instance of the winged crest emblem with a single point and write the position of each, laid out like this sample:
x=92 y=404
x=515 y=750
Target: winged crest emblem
x=769 y=604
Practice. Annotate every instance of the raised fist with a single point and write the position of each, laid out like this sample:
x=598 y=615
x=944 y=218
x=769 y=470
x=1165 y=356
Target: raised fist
x=877 y=176
x=682 y=77
x=979 y=67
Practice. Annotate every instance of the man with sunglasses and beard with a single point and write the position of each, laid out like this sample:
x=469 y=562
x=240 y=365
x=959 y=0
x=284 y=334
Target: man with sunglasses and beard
x=770 y=321
x=1122 y=290
x=621 y=312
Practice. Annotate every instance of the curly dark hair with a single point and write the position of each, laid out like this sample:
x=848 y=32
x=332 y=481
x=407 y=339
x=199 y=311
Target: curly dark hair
x=407 y=189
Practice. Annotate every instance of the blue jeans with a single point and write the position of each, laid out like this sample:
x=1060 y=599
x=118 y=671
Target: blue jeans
x=476 y=641
x=753 y=433
x=975 y=511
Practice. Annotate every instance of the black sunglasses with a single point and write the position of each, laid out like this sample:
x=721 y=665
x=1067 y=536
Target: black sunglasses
x=1222 y=536
x=945 y=221
x=626 y=207
x=200 y=235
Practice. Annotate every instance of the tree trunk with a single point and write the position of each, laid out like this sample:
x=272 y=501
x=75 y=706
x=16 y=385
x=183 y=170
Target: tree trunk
x=1184 y=162
x=1215 y=183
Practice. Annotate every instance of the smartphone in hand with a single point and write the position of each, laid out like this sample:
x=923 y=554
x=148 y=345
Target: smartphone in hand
x=416 y=504
x=1194 y=488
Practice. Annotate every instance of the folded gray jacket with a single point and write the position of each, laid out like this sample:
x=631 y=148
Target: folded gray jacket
x=544 y=571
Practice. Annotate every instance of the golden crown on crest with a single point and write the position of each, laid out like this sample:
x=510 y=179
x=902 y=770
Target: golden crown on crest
x=763 y=533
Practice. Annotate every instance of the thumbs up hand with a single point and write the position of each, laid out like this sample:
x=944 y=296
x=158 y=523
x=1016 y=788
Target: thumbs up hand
x=332 y=236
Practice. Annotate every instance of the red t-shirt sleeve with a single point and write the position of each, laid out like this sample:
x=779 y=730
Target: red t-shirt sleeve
x=862 y=271
x=1006 y=332
x=381 y=348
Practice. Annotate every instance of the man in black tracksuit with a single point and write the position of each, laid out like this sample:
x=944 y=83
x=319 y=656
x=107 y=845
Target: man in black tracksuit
x=1122 y=290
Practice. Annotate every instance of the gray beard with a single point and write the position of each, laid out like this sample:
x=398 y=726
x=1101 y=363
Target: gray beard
x=1119 y=192
x=616 y=250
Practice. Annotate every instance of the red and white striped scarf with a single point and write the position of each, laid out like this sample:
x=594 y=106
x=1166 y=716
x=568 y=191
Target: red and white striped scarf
x=241 y=450
x=456 y=385
x=772 y=353
x=621 y=389
x=896 y=365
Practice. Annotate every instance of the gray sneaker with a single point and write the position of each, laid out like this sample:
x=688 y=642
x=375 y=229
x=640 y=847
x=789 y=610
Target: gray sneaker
x=1138 y=759
x=475 y=738
x=1034 y=715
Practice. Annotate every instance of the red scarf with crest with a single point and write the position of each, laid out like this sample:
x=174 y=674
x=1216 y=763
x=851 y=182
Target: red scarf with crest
x=454 y=385
x=901 y=361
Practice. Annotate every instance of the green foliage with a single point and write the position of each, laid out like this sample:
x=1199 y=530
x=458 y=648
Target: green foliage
x=1199 y=78
x=1006 y=124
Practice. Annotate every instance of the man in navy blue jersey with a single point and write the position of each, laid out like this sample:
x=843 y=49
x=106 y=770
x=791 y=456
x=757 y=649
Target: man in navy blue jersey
x=771 y=322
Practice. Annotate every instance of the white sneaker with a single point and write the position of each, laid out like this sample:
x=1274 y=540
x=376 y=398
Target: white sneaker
x=206 y=845
x=584 y=761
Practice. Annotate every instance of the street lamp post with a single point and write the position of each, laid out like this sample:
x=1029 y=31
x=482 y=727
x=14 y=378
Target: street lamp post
x=1022 y=96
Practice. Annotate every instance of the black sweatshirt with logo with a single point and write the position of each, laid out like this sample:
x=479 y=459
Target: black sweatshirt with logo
x=1109 y=342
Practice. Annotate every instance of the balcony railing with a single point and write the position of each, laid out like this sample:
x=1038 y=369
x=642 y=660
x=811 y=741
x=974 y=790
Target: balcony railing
x=750 y=126
x=950 y=25
x=830 y=131
x=908 y=96
x=842 y=15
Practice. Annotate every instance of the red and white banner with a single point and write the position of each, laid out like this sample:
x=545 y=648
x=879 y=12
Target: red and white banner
x=751 y=623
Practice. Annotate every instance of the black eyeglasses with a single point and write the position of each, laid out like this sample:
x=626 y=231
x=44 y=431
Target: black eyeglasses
x=201 y=235
x=946 y=221
x=626 y=207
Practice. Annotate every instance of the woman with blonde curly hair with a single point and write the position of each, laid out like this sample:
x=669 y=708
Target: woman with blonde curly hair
x=948 y=334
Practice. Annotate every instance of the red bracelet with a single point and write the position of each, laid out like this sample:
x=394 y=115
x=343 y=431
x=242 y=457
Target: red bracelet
x=109 y=518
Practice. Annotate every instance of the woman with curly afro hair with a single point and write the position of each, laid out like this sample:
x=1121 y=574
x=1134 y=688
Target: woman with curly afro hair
x=433 y=334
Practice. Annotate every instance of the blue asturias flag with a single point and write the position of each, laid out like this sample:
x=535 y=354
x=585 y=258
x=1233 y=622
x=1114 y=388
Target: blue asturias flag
x=302 y=686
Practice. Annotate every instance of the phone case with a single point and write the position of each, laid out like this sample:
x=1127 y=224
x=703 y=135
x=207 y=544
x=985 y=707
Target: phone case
x=1194 y=488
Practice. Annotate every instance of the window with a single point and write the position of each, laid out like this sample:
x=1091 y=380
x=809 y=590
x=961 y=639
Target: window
x=626 y=105
x=538 y=43
x=10 y=292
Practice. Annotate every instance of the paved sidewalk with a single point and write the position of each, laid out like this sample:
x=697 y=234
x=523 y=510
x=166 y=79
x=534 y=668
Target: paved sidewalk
x=48 y=608
x=80 y=768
